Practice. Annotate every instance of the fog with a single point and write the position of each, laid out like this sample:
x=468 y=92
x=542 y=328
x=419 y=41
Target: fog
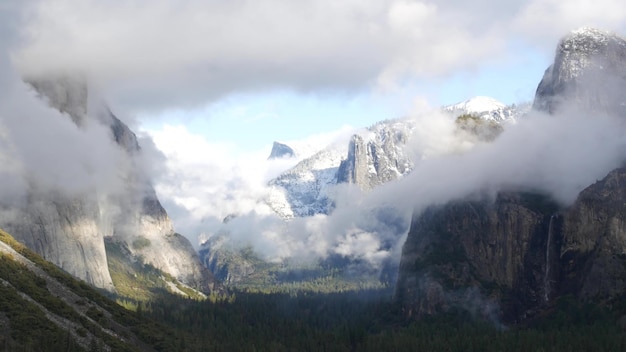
x=558 y=155
x=43 y=149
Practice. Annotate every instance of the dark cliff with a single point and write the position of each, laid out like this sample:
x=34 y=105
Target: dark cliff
x=497 y=246
x=520 y=251
x=515 y=255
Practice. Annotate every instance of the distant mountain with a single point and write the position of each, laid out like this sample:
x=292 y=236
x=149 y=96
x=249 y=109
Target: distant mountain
x=515 y=256
x=373 y=156
x=280 y=150
x=304 y=189
x=378 y=156
x=488 y=108
x=369 y=158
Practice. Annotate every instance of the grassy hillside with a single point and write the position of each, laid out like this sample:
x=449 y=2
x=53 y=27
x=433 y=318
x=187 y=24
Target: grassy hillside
x=139 y=282
x=42 y=308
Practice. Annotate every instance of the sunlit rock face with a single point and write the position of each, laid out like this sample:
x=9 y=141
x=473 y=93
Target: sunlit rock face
x=378 y=157
x=519 y=249
x=372 y=157
x=589 y=73
x=65 y=230
x=69 y=230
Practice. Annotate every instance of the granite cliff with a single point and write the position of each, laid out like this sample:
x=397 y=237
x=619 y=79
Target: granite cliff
x=70 y=229
x=519 y=251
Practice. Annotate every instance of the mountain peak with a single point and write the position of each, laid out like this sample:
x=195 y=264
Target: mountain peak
x=280 y=150
x=589 y=71
x=589 y=32
x=477 y=105
x=588 y=41
x=486 y=108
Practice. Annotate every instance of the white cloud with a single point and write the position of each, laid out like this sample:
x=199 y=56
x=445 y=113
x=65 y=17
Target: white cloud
x=163 y=53
x=149 y=54
x=203 y=182
x=543 y=22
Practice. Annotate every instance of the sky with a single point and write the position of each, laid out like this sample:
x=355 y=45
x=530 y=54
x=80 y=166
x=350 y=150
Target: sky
x=210 y=84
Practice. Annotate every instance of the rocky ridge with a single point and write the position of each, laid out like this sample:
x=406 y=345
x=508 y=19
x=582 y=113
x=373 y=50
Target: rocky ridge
x=372 y=156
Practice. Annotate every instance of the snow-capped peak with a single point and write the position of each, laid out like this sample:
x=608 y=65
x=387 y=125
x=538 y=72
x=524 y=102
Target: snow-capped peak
x=477 y=105
x=487 y=108
x=590 y=32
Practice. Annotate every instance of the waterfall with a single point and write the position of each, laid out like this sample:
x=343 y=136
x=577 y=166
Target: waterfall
x=546 y=277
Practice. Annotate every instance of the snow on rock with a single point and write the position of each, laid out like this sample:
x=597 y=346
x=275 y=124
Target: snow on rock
x=487 y=108
x=587 y=73
x=369 y=158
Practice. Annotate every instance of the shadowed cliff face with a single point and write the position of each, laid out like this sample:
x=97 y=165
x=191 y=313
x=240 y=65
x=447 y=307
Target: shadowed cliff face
x=69 y=230
x=520 y=250
x=592 y=255
x=497 y=246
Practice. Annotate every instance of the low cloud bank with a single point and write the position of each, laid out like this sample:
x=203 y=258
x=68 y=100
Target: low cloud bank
x=559 y=155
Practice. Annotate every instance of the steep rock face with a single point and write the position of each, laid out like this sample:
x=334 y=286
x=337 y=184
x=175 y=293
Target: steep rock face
x=66 y=231
x=495 y=246
x=377 y=158
x=65 y=93
x=519 y=251
x=280 y=150
x=589 y=71
x=70 y=231
x=592 y=256
x=148 y=232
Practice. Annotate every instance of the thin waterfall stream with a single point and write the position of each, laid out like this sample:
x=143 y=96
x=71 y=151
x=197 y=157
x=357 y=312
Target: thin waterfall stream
x=546 y=278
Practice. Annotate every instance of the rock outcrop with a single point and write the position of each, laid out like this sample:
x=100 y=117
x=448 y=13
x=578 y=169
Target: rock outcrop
x=376 y=158
x=589 y=73
x=69 y=230
x=280 y=150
